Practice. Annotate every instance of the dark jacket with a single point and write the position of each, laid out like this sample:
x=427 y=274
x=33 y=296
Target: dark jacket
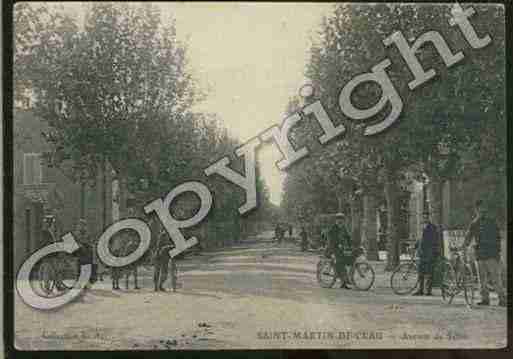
x=429 y=246
x=130 y=245
x=161 y=252
x=487 y=235
x=85 y=250
x=278 y=231
x=46 y=237
x=339 y=241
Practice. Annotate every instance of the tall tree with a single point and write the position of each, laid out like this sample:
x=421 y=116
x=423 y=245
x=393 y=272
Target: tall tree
x=428 y=136
x=113 y=90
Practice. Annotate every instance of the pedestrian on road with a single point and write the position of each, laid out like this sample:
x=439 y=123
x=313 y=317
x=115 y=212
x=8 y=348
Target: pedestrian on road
x=340 y=245
x=86 y=249
x=428 y=251
x=485 y=232
x=304 y=239
x=130 y=270
x=324 y=238
x=161 y=261
x=117 y=250
x=47 y=237
x=47 y=233
x=278 y=232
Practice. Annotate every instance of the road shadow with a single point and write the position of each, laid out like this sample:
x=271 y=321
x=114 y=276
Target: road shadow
x=104 y=293
x=195 y=294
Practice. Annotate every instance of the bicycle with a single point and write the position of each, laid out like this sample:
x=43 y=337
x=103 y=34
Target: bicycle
x=465 y=278
x=361 y=274
x=57 y=273
x=405 y=278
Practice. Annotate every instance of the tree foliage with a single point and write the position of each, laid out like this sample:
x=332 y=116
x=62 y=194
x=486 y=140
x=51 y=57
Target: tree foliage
x=118 y=89
x=456 y=115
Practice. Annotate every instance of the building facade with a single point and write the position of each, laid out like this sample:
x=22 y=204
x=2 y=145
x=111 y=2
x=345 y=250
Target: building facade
x=40 y=190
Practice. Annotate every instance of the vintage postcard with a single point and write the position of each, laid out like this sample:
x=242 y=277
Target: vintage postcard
x=257 y=175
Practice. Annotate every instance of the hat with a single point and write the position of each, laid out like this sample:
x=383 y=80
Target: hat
x=339 y=215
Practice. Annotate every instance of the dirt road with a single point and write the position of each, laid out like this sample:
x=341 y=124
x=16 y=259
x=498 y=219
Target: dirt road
x=257 y=295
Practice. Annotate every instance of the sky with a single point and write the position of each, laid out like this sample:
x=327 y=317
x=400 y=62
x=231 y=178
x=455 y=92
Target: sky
x=251 y=58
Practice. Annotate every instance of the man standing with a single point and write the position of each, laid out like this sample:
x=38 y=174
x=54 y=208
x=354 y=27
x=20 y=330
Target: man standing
x=47 y=237
x=485 y=232
x=47 y=233
x=161 y=261
x=117 y=250
x=304 y=239
x=428 y=251
x=339 y=245
x=278 y=232
x=85 y=252
x=131 y=269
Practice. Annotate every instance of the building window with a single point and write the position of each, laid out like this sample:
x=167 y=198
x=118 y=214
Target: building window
x=32 y=171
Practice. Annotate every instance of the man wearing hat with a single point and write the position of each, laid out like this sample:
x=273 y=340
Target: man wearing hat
x=428 y=251
x=340 y=245
x=85 y=252
x=486 y=233
x=161 y=260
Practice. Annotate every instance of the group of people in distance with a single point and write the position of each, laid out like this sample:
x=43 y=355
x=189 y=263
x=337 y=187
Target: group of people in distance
x=487 y=248
x=280 y=230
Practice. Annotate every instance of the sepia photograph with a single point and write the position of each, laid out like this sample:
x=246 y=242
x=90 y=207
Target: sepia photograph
x=258 y=175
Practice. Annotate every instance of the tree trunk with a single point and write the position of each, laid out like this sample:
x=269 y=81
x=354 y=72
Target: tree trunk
x=393 y=218
x=82 y=199
x=505 y=192
x=355 y=220
x=340 y=202
x=369 y=230
x=436 y=201
x=105 y=217
x=123 y=196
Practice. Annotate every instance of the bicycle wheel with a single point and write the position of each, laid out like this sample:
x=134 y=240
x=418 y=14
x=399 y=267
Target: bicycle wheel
x=68 y=272
x=404 y=279
x=46 y=277
x=362 y=275
x=469 y=286
x=449 y=282
x=326 y=275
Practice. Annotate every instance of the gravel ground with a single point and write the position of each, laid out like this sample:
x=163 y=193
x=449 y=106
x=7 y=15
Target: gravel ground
x=257 y=296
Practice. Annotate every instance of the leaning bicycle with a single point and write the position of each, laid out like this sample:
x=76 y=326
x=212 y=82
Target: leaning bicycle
x=57 y=273
x=361 y=273
x=405 y=278
x=464 y=275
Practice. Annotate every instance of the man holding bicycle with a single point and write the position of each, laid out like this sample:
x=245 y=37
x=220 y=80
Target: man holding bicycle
x=339 y=245
x=47 y=237
x=486 y=233
x=85 y=253
x=161 y=261
x=428 y=252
